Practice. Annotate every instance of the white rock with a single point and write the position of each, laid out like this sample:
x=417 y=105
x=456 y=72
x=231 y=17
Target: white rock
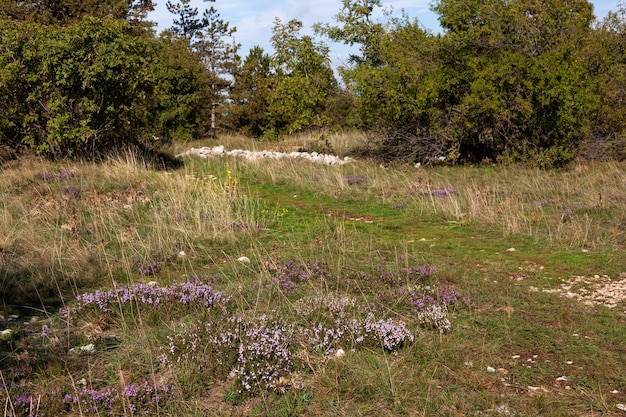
x=491 y=369
x=340 y=353
x=88 y=348
x=621 y=407
x=6 y=332
x=244 y=259
x=510 y=250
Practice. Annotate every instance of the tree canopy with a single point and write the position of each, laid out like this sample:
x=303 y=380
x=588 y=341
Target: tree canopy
x=537 y=81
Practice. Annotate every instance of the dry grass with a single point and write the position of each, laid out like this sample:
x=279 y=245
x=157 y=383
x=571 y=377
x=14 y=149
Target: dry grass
x=66 y=228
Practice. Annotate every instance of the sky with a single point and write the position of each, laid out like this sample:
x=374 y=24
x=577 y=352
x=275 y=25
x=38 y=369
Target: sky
x=254 y=19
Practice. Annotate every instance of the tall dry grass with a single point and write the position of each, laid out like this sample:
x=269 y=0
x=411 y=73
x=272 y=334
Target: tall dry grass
x=68 y=225
x=581 y=207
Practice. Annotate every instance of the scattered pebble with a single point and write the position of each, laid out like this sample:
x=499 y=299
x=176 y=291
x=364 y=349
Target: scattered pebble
x=340 y=353
x=562 y=378
x=621 y=407
x=244 y=259
x=6 y=332
x=491 y=369
x=90 y=348
x=515 y=357
x=181 y=254
x=510 y=250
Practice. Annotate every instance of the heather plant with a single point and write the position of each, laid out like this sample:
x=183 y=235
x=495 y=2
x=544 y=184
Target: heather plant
x=146 y=398
x=209 y=347
x=193 y=291
x=256 y=351
x=288 y=276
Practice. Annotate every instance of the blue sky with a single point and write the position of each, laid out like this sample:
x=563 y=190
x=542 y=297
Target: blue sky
x=254 y=18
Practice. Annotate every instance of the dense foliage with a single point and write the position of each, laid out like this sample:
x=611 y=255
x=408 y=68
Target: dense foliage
x=505 y=80
x=539 y=81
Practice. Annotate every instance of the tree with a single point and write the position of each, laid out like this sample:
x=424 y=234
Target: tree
x=506 y=80
x=518 y=87
x=250 y=95
x=95 y=86
x=357 y=28
x=303 y=82
x=210 y=38
x=606 y=60
x=218 y=51
x=187 y=24
x=67 y=11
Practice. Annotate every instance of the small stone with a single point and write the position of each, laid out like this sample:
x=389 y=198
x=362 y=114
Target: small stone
x=6 y=332
x=510 y=250
x=181 y=254
x=491 y=369
x=562 y=378
x=340 y=353
x=88 y=348
x=244 y=259
x=621 y=407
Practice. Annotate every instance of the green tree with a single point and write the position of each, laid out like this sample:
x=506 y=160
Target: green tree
x=303 y=81
x=187 y=23
x=218 y=52
x=505 y=80
x=67 y=11
x=606 y=58
x=250 y=95
x=211 y=39
x=94 y=86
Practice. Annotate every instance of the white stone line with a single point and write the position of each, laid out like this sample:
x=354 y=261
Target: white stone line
x=206 y=152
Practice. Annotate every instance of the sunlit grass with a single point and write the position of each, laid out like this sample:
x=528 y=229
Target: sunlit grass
x=343 y=290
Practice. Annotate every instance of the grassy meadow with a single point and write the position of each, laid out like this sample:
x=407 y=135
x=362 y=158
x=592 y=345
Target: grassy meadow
x=229 y=287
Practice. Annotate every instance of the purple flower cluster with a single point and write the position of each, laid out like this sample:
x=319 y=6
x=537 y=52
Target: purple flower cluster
x=435 y=317
x=211 y=346
x=148 y=268
x=441 y=294
x=194 y=291
x=292 y=273
x=263 y=355
x=394 y=277
x=71 y=191
x=336 y=325
x=352 y=180
x=145 y=398
x=62 y=175
x=444 y=192
x=397 y=206
x=327 y=338
x=257 y=351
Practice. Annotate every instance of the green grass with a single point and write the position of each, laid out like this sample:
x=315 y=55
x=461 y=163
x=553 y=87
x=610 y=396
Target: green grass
x=327 y=246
